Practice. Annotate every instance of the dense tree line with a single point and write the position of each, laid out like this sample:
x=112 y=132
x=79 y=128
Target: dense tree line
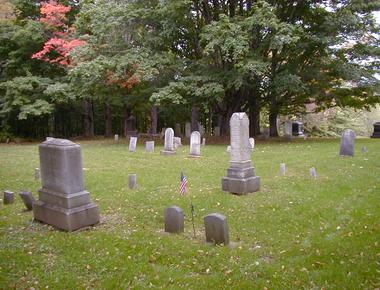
x=72 y=68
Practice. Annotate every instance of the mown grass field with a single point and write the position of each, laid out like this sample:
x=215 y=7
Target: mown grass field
x=295 y=233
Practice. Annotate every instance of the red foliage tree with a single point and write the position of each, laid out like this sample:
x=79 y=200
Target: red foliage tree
x=57 y=49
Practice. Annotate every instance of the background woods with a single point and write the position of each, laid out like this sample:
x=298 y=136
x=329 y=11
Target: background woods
x=80 y=68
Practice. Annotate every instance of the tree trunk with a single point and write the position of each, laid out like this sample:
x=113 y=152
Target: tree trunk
x=88 y=118
x=154 y=120
x=127 y=113
x=254 y=118
x=108 y=119
x=194 y=118
x=273 y=123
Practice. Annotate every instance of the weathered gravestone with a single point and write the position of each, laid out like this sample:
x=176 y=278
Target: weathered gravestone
x=313 y=172
x=149 y=146
x=217 y=131
x=169 y=142
x=347 y=143
x=174 y=220
x=116 y=138
x=187 y=130
x=228 y=149
x=297 y=128
x=37 y=174
x=288 y=130
x=195 y=144
x=177 y=142
x=282 y=168
x=376 y=130
x=132 y=181
x=9 y=197
x=132 y=144
x=203 y=141
x=251 y=144
x=63 y=201
x=177 y=130
x=364 y=149
x=27 y=198
x=241 y=177
x=216 y=229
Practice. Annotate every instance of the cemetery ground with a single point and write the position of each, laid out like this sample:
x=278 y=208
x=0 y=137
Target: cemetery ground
x=296 y=232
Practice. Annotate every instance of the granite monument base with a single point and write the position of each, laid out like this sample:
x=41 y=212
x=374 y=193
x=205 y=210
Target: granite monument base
x=241 y=178
x=375 y=135
x=66 y=219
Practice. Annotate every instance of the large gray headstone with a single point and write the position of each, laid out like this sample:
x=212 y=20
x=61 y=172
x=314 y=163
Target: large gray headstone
x=149 y=146
x=169 y=142
x=347 y=143
x=195 y=144
x=132 y=144
x=9 y=197
x=63 y=201
x=216 y=229
x=187 y=130
x=174 y=220
x=241 y=177
x=27 y=198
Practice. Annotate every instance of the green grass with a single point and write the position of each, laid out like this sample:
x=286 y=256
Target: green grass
x=295 y=233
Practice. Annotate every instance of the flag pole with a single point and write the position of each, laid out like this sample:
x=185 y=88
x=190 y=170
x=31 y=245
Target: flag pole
x=192 y=215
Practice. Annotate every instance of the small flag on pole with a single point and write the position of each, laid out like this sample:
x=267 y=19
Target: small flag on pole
x=183 y=184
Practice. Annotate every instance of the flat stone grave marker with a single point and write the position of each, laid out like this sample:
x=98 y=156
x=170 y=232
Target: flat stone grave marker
x=195 y=144
x=28 y=199
x=216 y=229
x=132 y=144
x=63 y=201
x=132 y=181
x=9 y=197
x=241 y=177
x=347 y=143
x=149 y=146
x=282 y=168
x=169 y=142
x=313 y=172
x=174 y=220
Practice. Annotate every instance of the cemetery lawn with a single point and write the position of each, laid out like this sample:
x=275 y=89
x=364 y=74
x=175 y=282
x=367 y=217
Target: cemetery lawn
x=295 y=232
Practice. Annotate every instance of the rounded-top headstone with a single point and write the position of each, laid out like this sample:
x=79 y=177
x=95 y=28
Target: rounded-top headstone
x=27 y=198
x=195 y=144
x=216 y=229
x=347 y=143
x=174 y=220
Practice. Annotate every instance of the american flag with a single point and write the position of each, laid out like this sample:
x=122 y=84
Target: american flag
x=183 y=184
